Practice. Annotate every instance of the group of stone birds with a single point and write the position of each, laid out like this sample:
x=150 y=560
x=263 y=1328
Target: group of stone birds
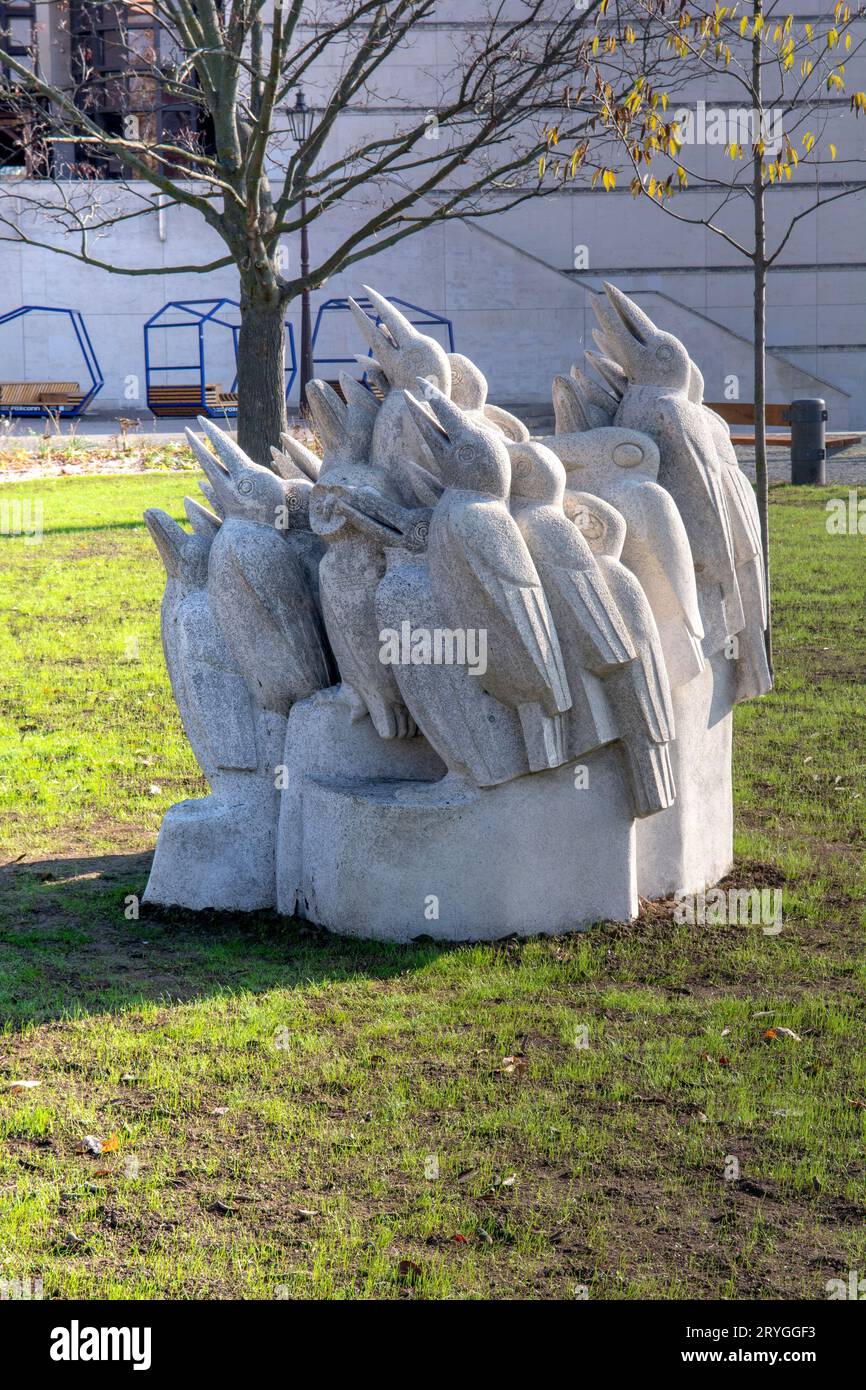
x=605 y=564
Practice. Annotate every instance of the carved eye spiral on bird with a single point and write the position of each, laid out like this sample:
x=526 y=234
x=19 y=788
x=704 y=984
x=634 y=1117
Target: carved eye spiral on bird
x=245 y=487
x=420 y=532
x=521 y=466
x=415 y=358
x=590 y=524
x=466 y=453
x=664 y=352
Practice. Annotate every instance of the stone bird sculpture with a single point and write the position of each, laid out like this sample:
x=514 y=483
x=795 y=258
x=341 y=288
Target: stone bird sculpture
x=469 y=392
x=400 y=355
x=479 y=740
x=592 y=635
x=217 y=712
x=354 y=561
x=651 y=373
x=482 y=575
x=263 y=574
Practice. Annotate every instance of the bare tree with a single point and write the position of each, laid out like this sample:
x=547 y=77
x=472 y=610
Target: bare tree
x=790 y=76
x=191 y=110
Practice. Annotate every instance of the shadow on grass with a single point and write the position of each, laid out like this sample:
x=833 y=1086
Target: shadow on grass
x=75 y=940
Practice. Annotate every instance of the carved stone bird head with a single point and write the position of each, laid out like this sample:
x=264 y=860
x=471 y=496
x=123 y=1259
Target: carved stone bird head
x=644 y=355
x=464 y=454
x=399 y=350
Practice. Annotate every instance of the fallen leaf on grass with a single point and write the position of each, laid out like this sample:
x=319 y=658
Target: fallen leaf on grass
x=409 y=1272
x=517 y=1063
x=723 y=1061
x=461 y=1239
x=23 y=1085
x=771 y=1034
x=858 y=1104
x=220 y=1110
x=91 y=1145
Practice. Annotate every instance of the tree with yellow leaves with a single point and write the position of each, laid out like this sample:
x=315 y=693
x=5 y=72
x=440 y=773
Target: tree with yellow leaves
x=791 y=76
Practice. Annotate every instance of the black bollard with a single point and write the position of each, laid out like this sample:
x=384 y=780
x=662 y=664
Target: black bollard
x=808 y=442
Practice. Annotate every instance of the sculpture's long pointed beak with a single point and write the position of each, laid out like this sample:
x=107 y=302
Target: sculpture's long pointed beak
x=397 y=324
x=211 y=497
x=230 y=455
x=359 y=401
x=203 y=522
x=637 y=323
x=437 y=444
x=328 y=412
x=168 y=537
x=383 y=349
x=611 y=371
x=295 y=460
x=218 y=477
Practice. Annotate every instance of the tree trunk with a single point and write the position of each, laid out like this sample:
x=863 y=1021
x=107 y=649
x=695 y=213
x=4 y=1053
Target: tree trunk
x=261 y=372
x=760 y=333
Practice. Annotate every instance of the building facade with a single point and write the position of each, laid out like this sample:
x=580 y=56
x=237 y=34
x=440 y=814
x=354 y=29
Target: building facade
x=517 y=285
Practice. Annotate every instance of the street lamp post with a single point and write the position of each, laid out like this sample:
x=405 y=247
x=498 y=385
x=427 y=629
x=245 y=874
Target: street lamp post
x=301 y=124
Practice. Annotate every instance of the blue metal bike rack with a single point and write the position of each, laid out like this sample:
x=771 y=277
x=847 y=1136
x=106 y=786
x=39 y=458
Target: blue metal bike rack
x=197 y=314
x=94 y=371
x=417 y=316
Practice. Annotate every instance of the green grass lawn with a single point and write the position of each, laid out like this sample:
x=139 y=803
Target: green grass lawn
x=292 y=1114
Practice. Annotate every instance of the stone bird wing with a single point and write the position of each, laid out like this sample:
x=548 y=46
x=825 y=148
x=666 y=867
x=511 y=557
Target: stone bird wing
x=568 y=564
x=688 y=450
x=502 y=568
x=649 y=676
x=218 y=709
x=268 y=615
x=746 y=525
x=656 y=529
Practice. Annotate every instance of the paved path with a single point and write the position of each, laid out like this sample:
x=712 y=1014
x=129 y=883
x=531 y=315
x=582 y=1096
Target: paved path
x=847 y=467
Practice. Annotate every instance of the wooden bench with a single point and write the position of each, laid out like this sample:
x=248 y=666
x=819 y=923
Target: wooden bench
x=186 y=399
x=39 y=397
x=743 y=412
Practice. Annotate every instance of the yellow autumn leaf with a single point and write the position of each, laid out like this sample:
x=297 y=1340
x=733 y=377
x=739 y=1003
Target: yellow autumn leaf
x=832 y=151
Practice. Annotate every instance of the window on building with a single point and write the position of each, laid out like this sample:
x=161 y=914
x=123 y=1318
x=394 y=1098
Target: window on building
x=21 y=127
x=124 y=70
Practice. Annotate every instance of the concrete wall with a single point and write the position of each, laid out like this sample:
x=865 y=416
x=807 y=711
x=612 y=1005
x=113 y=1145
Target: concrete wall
x=516 y=285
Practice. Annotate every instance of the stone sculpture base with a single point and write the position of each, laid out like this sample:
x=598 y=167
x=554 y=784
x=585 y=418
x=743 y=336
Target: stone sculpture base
x=365 y=854
x=691 y=846
x=215 y=854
